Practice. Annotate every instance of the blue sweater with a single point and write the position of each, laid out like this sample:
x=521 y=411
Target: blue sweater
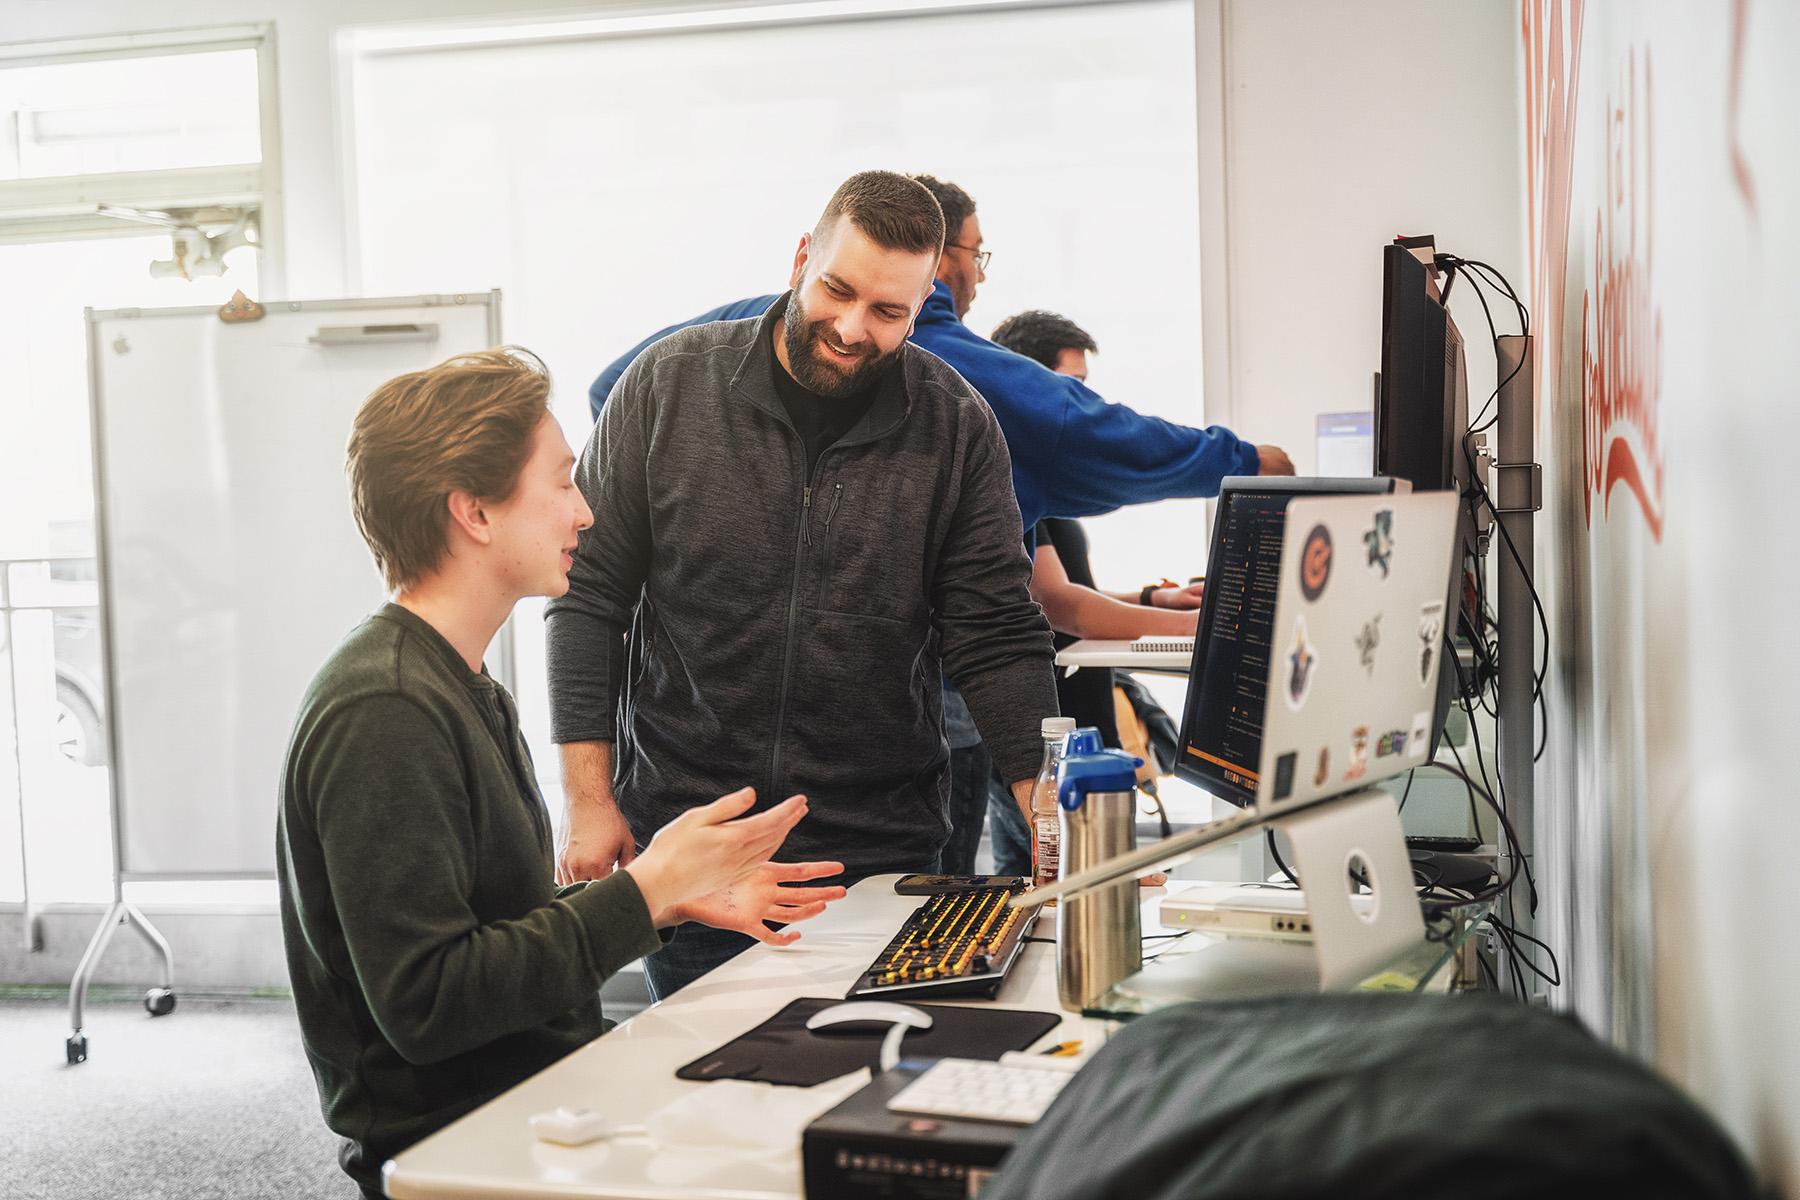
x=1073 y=454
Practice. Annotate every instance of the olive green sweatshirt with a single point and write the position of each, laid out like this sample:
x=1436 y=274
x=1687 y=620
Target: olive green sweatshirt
x=434 y=962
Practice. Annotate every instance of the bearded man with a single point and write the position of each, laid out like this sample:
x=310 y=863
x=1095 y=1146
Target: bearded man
x=802 y=522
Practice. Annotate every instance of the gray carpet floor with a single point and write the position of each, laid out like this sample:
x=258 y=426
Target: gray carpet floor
x=213 y=1100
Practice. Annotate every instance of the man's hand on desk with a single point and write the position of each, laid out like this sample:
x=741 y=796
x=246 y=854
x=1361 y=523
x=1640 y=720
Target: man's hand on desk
x=745 y=906
x=1176 y=596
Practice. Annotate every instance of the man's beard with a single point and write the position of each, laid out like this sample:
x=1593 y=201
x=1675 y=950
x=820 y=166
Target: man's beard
x=819 y=374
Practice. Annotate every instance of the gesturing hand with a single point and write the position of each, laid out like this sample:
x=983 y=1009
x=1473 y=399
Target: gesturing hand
x=708 y=848
x=760 y=897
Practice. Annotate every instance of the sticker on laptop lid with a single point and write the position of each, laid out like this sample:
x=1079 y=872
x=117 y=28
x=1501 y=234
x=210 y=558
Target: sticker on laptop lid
x=1359 y=754
x=1315 y=562
x=1420 y=734
x=1367 y=641
x=1324 y=771
x=1379 y=539
x=1284 y=775
x=1393 y=742
x=1301 y=662
x=1431 y=634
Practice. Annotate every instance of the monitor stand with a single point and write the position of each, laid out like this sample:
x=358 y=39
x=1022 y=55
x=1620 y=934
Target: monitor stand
x=1360 y=833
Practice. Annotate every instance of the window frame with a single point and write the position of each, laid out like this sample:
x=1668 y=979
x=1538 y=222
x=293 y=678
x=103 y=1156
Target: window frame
x=66 y=207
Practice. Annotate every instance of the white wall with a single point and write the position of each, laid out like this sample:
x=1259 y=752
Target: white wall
x=1327 y=129
x=1665 y=178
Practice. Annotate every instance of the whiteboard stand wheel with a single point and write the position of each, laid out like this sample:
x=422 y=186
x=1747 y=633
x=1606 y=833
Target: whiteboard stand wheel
x=77 y=1048
x=159 y=1002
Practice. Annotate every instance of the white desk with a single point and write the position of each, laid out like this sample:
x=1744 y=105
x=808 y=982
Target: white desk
x=630 y=1072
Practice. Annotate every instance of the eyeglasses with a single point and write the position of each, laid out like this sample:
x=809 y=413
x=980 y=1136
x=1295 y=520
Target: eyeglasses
x=982 y=257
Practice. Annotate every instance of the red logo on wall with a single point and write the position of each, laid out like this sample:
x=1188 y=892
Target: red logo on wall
x=1621 y=325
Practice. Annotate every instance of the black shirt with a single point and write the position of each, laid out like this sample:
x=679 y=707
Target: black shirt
x=820 y=420
x=1087 y=695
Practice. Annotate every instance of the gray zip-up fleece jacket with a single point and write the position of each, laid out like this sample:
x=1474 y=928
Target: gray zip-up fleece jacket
x=786 y=633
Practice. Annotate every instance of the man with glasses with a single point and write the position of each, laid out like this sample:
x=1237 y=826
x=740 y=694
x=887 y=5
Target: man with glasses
x=1073 y=453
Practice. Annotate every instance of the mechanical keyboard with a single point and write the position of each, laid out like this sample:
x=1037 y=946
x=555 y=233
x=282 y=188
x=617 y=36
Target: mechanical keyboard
x=955 y=944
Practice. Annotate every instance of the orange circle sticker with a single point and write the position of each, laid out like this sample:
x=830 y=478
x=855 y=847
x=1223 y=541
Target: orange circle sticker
x=1315 y=562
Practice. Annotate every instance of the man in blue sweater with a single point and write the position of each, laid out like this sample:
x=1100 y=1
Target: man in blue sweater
x=1073 y=453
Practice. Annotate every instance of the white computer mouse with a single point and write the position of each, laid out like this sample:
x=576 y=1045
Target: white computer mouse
x=884 y=1012
x=899 y=1017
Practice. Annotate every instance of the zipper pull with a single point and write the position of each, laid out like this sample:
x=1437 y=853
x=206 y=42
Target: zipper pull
x=837 y=493
x=806 y=515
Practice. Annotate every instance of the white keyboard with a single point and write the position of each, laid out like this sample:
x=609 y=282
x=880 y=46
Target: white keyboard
x=1015 y=1090
x=1163 y=645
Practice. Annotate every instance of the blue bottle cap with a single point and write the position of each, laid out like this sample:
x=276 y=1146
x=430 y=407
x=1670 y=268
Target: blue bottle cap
x=1101 y=771
x=1085 y=740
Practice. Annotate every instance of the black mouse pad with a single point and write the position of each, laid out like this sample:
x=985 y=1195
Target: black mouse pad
x=783 y=1050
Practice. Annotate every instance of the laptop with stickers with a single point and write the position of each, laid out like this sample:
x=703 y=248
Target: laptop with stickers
x=1358 y=633
x=1230 y=661
x=1353 y=651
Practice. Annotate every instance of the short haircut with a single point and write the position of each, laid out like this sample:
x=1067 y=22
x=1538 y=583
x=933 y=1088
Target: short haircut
x=466 y=424
x=957 y=204
x=891 y=210
x=1042 y=335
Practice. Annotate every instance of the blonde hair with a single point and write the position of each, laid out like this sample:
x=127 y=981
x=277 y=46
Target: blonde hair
x=466 y=424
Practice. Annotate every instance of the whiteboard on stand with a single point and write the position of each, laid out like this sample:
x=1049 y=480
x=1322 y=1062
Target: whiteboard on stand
x=230 y=564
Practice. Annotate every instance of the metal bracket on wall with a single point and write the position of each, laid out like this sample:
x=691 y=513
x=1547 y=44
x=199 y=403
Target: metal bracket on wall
x=1537 y=487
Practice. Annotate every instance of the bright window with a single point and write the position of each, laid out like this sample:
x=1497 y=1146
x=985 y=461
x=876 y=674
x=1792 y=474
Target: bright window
x=130 y=114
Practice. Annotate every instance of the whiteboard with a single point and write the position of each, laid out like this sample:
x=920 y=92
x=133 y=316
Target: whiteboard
x=230 y=565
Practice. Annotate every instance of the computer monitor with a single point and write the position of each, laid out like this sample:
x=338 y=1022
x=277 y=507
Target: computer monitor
x=1422 y=405
x=1221 y=724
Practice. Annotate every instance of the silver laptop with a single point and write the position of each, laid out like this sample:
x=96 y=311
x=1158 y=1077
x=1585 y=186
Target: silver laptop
x=1359 y=631
x=1357 y=643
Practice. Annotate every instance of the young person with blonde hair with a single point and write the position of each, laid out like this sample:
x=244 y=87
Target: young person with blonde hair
x=434 y=962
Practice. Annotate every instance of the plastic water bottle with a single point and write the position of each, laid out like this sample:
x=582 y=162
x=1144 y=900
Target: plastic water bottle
x=1046 y=818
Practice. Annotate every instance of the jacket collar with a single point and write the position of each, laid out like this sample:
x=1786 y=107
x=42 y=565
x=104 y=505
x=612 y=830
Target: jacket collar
x=939 y=306
x=752 y=383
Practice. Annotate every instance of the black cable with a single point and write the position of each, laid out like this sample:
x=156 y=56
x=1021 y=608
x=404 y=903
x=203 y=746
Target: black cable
x=1500 y=888
x=1530 y=585
x=1474 y=693
x=1291 y=878
x=1554 y=979
x=1481 y=761
x=1513 y=960
x=1475 y=280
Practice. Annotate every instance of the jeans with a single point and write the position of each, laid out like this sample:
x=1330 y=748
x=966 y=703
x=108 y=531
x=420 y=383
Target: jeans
x=697 y=949
x=1008 y=832
x=969 y=771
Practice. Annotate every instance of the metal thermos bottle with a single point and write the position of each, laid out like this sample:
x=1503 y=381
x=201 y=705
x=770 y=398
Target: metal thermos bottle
x=1098 y=940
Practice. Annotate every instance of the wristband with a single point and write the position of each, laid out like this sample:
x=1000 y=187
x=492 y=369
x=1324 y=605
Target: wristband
x=1144 y=596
